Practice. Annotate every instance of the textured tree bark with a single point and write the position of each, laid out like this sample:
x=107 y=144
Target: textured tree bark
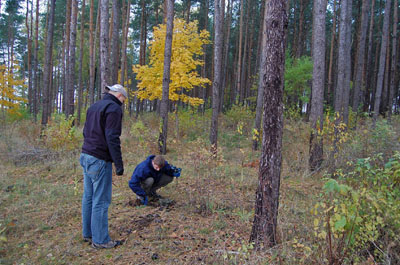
x=264 y=231
x=382 y=61
x=162 y=139
x=347 y=77
x=114 y=59
x=47 y=64
x=260 y=92
x=318 y=85
x=218 y=42
x=104 y=60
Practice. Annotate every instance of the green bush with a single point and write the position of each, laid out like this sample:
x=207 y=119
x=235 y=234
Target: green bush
x=358 y=215
x=240 y=116
x=60 y=133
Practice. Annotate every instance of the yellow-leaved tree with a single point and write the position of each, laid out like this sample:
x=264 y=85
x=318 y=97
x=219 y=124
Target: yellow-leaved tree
x=187 y=48
x=9 y=100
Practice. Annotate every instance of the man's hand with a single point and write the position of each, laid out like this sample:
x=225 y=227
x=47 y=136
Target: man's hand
x=176 y=171
x=143 y=200
x=119 y=171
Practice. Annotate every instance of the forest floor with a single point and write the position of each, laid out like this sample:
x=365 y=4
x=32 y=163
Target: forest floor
x=206 y=218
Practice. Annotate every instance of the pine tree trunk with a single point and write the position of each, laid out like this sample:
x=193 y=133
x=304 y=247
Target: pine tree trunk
x=239 y=59
x=104 y=60
x=346 y=85
x=35 y=65
x=369 y=69
x=331 y=55
x=393 y=68
x=344 y=46
x=29 y=46
x=318 y=85
x=142 y=52
x=386 y=82
x=162 y=139
x=124 y=45
x=204 y=8
x=360 y=57
x=260 y=91
x=244 y=57
x=226 y=46
x=218 y=46
x=66 y=44
x=71 y=65
x=47 y=63
x=92 y=59
x=80 y=88
x=382 y=60
x=114 y=58
x=264 y=231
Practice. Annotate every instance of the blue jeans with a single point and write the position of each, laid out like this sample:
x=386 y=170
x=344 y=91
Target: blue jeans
x=96 y=198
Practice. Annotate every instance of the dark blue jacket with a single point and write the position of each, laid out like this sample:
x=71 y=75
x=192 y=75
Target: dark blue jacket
x=103 y=129
x=145 y=170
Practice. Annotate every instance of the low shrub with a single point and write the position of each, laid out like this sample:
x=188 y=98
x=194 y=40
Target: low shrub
x=358 y=215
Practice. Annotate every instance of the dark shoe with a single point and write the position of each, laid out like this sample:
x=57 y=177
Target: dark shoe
x=109 y=244
x=87 y=239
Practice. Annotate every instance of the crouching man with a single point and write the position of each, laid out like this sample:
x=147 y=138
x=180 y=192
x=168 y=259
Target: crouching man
x=151 y=175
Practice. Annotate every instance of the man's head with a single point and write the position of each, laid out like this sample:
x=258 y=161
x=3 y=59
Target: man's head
x=158 y=162
x=118 y=91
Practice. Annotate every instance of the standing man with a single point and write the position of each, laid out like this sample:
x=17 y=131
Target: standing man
x=101 y=147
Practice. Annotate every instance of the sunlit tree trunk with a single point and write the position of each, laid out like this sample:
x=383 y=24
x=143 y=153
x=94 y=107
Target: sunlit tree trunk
x=162 y=139
x=47 y=64
x=218 y=42
x=318 y=84
x=382 y=60
x=264 y=231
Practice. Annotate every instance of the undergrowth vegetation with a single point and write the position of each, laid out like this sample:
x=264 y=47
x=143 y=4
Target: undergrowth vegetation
x=346 y=216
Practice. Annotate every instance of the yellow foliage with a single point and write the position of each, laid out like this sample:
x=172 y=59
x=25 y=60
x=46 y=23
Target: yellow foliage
x=187 y=47
x=8 y=98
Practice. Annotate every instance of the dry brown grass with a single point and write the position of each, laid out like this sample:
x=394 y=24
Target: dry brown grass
x=209 y=223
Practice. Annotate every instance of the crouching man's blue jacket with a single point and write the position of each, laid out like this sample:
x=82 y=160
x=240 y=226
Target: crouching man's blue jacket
x=145 y=170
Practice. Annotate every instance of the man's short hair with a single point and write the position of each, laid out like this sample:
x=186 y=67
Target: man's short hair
x=159 y=160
